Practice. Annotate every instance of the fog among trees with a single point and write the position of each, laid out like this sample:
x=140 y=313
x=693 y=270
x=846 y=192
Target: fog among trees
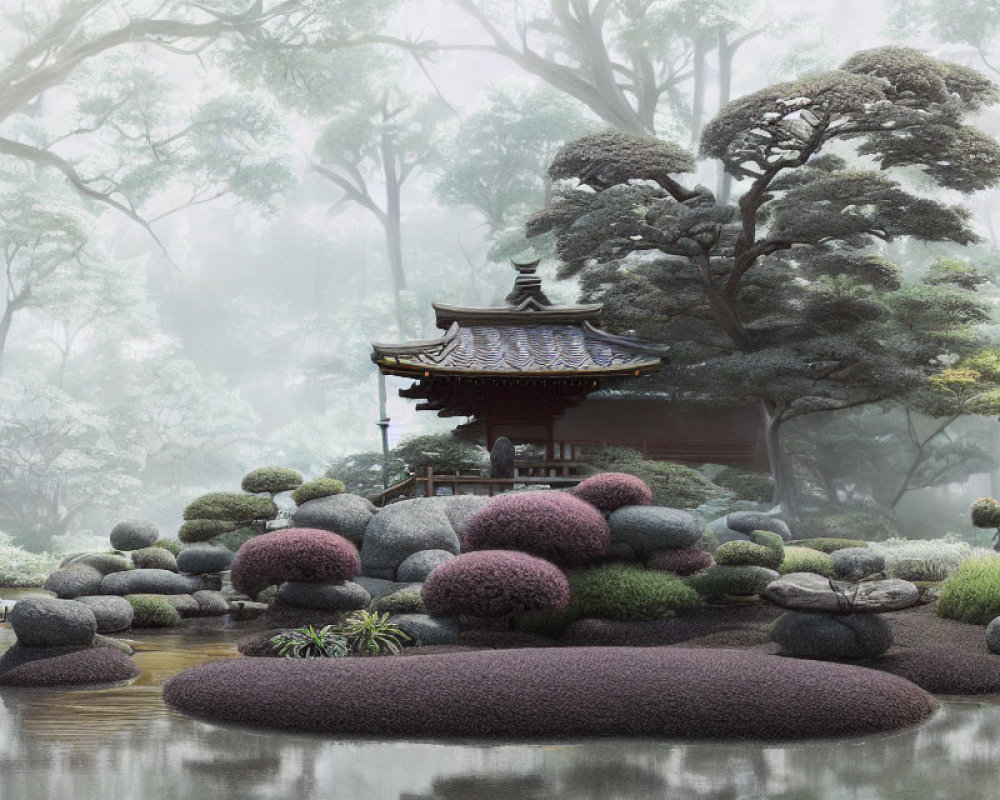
x=210 y=210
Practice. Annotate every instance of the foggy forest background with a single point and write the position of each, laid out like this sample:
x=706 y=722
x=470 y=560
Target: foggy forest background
x=206 y=223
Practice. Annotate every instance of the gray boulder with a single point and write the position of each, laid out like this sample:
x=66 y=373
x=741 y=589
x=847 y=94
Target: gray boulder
x=379 y=586
x=807 y=591
x=749 y=521
x=647 y=528
x=417 y=567
x=49 y=622
x=241 y=610
x=502 y=458
x=342 y=596
x=154 y=558
x=723 y=533
x=202 y=559
x=850 y=636
x=856 y=563
x=424 y=523
x=424 y=629
x=993 y=636
x=184 y=604
x=154 y=581
x=105 y=563
x=113 y=614
x=346 y=514
x=134 y=534
x=71 y=582
x=211 y=604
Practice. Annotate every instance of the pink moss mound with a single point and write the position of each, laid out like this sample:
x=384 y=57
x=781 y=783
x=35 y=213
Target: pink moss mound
x=552 y=525
x=293 y=554
x=612 y=490
x=494 y=583
x=90 y=667
x=685 y=561
x=685 y=693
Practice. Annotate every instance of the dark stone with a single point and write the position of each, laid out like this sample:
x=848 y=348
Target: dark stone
x=42 y=667
x=343 y=596
x=648 y=528
x=242 y=610
x=113 y=614
x=211 y=604
x=71 y=582
x=154 y=558
x=105 y=563
x=202 y=559
x=855 y=563
x=993 y=636
x=851 y=636
x=48 y=622
x=502 y=458
x=807 y=591
x=154 y=581
x=749 y=521
x=425 y=630
x=346 y=514
x=134 y=534
x=417 y=567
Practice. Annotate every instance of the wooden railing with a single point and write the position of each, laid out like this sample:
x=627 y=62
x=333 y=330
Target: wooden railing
x=693 y=451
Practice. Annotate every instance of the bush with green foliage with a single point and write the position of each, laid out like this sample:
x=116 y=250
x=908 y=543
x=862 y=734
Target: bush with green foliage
x=922 y=559
x=271 y=481
x=721 y=580
x=747 y=554
x=308 y=642
x=371 y=634
x=230 y=507
x=872 y=525
x=985 y=513
x=972 y=594
x=746 y=485
x=805 y=559
x=826 y=545
x=234 y=540
x=172 y=545
x=361 y=473
x=152 y=612
x=623 y=591
x=22 y=569
x=154 y=558
x=202 y=530
x=315 y=489
x=407 y=601
x=442 y=451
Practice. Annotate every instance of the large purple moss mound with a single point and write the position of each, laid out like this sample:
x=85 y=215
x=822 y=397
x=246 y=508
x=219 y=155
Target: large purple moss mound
x=561 y=692
x=90 y=667
x=612 y=490
x=294 y=554
x=493 y=583
x=552 y=525
x=943 y=671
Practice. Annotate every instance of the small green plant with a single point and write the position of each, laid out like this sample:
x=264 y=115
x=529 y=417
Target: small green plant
x=371 y=634
x=308 y=642
x=313 y=490
x=740 y=553
x=973 y=593
x=985 y=513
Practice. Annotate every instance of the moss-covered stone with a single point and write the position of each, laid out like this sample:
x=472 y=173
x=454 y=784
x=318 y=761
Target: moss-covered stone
x=747 y=554
x=313 y=490
x=152 y=612
x=230 y=507
x=203 y=530
x=271 y=480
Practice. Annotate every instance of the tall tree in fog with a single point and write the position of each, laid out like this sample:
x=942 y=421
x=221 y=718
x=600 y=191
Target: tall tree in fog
x=971 y=22
x=782 y=298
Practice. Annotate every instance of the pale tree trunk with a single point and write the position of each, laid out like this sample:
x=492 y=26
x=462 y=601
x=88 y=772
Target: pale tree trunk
x=724 y=185
x=785 y=494
x=393 y=231
x=5 y=321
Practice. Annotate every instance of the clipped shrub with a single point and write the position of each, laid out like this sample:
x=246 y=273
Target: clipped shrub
x=720 y=580
x=313 y=490
x=828 y=545
x=172 y=545
x=552 y=525
x=747 y=554
x=985 y=513
x=972 y=594
x=152 y=612
x=771 y=540
x=621 y=591
x=611 y=490
x=407 y=601
x=234 y=540
x=495 y=583
x=202 y=530
x=805 y=559
x=271 y=481
x=442 y=451
x=922 y=559
x=154 y=558
x=293 y=554
x=746 y=485
x=230 y=507
x=685 y=561
x=361 y=473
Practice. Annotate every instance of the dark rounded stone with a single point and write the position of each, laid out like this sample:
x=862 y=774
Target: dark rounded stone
x=48 y=622
x=648 y=528
x=211 y=604
x=749 y=521
x=856 y=563
x=424 y=629
x=204 y=559
x=113 y=614
x=70 y=582
x=154 y=558
x=154 y=581
x=502 y=458
x=346 y=514
x=134 y=534
x=852 y=636
x=90 y=666
x=993 y=636
x=343 y=596
x=417 y=567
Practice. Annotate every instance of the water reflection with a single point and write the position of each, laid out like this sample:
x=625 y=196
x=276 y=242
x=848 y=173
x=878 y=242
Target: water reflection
x=123 y=743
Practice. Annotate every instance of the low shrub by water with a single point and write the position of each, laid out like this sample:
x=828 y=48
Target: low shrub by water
x=19 y=568
x=972 y=594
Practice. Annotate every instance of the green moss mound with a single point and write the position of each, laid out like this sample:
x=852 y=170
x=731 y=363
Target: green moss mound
x=828 y=545
x=271 y=480
x=770 y=540
x=805 y=559
x=620 y=591
x=721 y=580
x=234 y=540
x=973 y=593
x=154 y=558
x=404 y=602
x=152 y=611
x=313 y=490
x=172 y=545
x=202 y=530
x=747 y=554
x=230 y=507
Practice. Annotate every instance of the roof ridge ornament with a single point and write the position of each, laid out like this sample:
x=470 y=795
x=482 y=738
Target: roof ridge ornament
x=527 y=284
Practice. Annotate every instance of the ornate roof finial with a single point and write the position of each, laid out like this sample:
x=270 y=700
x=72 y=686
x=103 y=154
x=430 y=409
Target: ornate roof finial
x=527 y=284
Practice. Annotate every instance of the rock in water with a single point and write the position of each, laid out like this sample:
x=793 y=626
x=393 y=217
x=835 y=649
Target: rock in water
x=806 y=591
x=48 y=622
x=71 y=582
x=113 y=614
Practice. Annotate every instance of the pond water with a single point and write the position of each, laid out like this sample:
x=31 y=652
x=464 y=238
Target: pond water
x=123 y=743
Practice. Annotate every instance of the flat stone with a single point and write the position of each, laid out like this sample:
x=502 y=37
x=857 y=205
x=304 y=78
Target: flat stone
x=113 y=613
x=203 y=559
x=806 y=591
x=342 y=596
x=70 y=582
x=852 y=636
x=49 y=622
x=241 y=610
x=154 y=581
x=105 y=563
x=424 y=629
x=648 y=528
x=417 y=567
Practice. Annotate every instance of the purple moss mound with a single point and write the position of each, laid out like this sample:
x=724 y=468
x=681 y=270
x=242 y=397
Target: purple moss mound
x=552 y=525
x=685 y=561
x=611 y=490
x=548 y=692
x=494 y=583
x=943 y=671
x=89 y=667
x=293 y=554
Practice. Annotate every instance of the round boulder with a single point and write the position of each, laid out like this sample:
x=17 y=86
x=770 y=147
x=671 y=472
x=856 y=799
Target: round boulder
x=424 y=629
x=852 y=636
x=856 y=563
x=211 y=604
x=685 y=561
x=134 y=534
x=339 y=596
x=749 y=521
x=346 y=514
x=71 y=582
x=648 y=528
x=113 y=614
x=49 y=622
x=105 y=563
x=417 y=567
x=993 y=636
x=153 y=581
x=154 y=558
x=204 y=559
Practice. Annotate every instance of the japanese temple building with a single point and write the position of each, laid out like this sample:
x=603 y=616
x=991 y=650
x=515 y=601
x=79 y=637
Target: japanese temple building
x=533 y=372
